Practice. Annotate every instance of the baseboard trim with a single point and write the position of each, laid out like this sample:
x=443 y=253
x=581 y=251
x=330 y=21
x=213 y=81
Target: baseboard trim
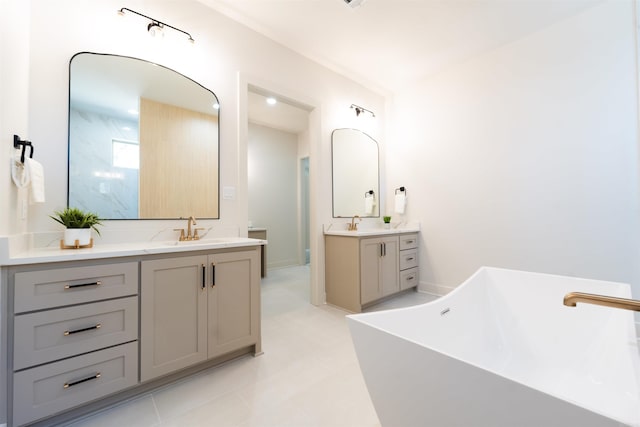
x=434 y=289
x=283 y=264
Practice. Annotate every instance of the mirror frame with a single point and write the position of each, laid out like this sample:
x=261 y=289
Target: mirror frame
x=333 y=198
x=168 y=69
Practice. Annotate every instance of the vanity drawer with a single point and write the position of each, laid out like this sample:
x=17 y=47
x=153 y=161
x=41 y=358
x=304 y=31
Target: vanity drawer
x=408 y=241
x=50 y=335
x=409 y=278
x=48 y=389
x=408 y=259
x=35 y=290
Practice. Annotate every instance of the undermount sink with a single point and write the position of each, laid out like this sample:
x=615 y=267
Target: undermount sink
x=220 y=241
x=204 y=241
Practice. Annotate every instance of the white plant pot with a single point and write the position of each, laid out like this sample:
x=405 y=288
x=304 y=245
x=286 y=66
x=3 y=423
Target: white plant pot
x=82 y=235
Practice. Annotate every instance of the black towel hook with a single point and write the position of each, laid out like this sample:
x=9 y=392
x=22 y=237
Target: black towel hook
x=17 y=142
x=401 y=190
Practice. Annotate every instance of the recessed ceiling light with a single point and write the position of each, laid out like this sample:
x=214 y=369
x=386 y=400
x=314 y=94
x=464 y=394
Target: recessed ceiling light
x=271 y=101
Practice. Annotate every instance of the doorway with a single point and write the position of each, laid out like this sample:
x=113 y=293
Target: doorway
x=278 y=181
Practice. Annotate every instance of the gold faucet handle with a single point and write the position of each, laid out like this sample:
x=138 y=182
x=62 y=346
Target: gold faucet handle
x=195 y=233
x=181 y=230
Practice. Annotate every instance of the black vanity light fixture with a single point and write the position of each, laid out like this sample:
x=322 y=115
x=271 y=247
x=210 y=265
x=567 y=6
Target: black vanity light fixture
x=361 y=110
x=155 y=27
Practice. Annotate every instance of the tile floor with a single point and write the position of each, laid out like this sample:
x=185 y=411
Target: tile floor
x=308 y=375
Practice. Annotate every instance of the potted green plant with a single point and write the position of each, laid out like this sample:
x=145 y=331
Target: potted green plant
x=78 y=225
x=387 y=221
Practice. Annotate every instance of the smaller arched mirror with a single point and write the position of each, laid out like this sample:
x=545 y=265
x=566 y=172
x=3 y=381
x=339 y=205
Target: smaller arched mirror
x=356 y=183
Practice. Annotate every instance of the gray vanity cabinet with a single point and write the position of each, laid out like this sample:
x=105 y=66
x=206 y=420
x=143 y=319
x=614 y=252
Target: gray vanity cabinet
x=80 y=335
x=195 y=308
x=362 y=270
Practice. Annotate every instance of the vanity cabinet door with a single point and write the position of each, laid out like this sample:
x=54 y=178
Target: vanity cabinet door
x=233 y=301
x=370 y=254
x=378 y=268
x=173 y=315
x=389 y=271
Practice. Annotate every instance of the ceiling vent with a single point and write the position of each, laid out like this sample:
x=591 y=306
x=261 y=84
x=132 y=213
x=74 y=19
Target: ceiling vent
x=354 y=3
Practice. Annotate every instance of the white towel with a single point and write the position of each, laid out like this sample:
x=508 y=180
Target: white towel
x=36 y=173
x=369 y=203
x=401 y=202
x=19 y=173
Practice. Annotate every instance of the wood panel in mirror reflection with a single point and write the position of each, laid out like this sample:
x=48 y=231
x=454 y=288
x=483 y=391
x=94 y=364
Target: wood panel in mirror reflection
x=161 y=193
x=143 y=140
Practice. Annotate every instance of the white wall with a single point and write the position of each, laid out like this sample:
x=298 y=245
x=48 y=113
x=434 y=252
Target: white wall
x=14 y=92
x=526 y=157
x=225 y=57
x=273 y=191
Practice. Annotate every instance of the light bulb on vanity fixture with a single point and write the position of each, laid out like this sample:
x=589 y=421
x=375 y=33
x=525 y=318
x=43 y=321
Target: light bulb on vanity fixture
x=361 y=110
x=155 y=27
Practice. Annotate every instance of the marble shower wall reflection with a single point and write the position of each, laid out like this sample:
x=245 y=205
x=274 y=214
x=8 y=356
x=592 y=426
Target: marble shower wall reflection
x=109 y=191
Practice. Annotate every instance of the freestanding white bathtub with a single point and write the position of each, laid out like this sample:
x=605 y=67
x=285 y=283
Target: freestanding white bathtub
x=503 y=350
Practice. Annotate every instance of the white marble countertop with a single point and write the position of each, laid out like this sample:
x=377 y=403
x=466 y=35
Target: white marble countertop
x=55 y=254
x=366 y=230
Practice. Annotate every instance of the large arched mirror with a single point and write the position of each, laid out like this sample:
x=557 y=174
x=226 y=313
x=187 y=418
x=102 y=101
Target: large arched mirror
x=143 y=140
x=354 y=156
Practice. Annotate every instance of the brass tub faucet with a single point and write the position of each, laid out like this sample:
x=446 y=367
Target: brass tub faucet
x=572 y=298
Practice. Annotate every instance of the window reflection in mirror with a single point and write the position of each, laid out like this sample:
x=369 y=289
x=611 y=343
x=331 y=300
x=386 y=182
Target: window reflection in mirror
x=354 y=156
x=143 y=140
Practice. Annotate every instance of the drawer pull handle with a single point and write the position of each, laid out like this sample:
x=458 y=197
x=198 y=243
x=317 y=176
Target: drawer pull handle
x=408 y=242
x=82 y=285
x=90 y=328
x=84 y=380
x=410 y=278
x=204 y=275
x=410 y=259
